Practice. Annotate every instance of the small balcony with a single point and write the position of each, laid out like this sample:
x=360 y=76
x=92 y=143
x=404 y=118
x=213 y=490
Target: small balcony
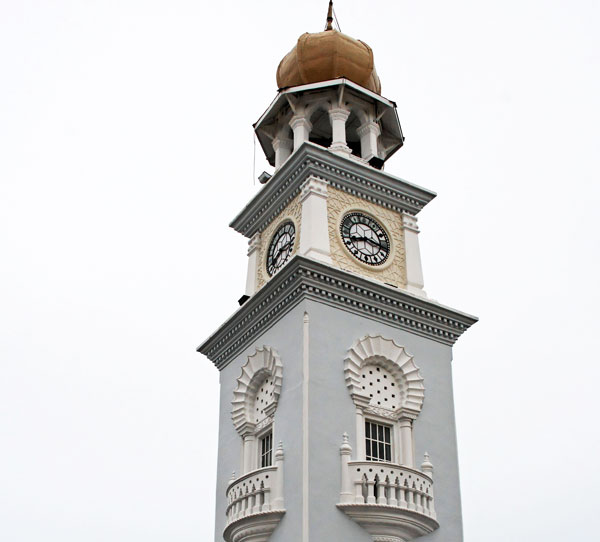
x=255 y=503
x=393 y=503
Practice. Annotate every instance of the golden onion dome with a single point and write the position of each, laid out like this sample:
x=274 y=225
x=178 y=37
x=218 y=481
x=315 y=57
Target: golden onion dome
x=328 y=55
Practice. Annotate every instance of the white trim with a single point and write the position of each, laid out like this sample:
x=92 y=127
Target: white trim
x=414 y=269
x=305 y=449
x=314 y=237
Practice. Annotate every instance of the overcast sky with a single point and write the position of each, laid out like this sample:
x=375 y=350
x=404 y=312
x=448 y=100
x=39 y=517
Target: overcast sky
x=126 y=148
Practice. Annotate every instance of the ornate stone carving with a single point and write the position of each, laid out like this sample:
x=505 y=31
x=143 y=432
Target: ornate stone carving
x=264 y=423
x=383 y=412
x=263 y=363
x=378 y=351
x=394 y=271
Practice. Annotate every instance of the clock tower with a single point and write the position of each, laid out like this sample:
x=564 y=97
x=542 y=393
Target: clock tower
x=336 y=407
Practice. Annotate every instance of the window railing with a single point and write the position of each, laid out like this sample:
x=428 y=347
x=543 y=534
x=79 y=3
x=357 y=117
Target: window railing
x=256 y=492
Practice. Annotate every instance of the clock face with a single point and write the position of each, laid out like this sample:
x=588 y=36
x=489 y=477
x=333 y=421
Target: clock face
x=281 y=248
x=365 y=238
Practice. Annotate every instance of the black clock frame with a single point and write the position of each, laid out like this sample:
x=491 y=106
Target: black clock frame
x=378 y=240
x=277 y=254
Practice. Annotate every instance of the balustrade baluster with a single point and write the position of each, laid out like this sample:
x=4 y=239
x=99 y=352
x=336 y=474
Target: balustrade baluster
x=402 y=500
x=431 y=507
x=418 y=502
x=381 y=492
x=251 y=500
x=410 y=498
x=371 y=492
x=359 y=497
x=245 y=503
x=426 y=505
x=393 y=488
x=258 y=493
x=266 y=499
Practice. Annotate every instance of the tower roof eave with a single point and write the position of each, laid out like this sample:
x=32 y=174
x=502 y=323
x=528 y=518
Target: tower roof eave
x=303 y=278
x=361 y=180
x=389 y=116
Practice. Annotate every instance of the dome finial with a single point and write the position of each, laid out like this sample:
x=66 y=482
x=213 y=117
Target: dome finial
x=330 y=16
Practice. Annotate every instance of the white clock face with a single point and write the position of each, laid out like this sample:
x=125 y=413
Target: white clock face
x=365 y=238
x=281 y=248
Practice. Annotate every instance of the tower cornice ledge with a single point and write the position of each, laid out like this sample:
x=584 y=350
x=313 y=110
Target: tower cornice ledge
x=342 y=173
x=304 y=278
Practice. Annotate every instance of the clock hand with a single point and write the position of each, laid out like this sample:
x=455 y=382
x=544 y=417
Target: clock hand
x=367 y=239
x=282 y=249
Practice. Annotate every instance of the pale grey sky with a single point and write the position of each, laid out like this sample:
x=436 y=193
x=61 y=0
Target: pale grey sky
x=126 y=148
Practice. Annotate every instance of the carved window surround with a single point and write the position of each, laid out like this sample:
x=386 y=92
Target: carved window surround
x=255 y=401
x=387 y=387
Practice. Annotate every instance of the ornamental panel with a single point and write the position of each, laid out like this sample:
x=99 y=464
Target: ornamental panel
x=382 y=376
x=393 y=271
x=258 y=388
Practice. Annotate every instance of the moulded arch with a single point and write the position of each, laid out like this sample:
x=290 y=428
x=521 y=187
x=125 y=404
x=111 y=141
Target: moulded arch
x=264 y=363
x=377 y=350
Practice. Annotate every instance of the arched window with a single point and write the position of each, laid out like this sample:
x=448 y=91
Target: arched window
x=352 y=137
x=254 y=404
x=387 y=389
x=320 y=133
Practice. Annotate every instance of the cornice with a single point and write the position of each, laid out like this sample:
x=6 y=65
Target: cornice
x=303 y=278
x=345 y=174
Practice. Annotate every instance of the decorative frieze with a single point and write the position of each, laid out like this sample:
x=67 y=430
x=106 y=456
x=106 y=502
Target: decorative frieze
x=302 y=279
x=350 y=176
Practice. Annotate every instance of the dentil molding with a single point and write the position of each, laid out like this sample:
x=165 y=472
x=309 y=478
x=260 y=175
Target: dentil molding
x=340 y=172
x=303 y=278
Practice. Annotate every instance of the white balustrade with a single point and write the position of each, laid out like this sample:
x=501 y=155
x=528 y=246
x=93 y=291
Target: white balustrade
x=385 y=484
x=257 y=492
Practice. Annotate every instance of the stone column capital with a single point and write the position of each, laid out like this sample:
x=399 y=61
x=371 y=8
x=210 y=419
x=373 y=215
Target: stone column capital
x=410 y=222
x=282 y=143
x=338 y=114
x=254 y=243
x=367 y=128
x=300 y=121
x=313 y=185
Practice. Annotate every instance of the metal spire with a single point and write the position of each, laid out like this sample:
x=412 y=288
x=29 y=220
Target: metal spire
x=330 y=16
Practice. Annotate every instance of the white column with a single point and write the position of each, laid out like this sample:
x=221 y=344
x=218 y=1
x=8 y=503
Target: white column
x=369 y=134
x=407 y=444
x=338 y=118
x=345 y=452
x=314 y=234
x=414 y=270
x=278 y=486
x=283 y=149
x=301 y=127
x=360 y=435
x=253 y=263
x=397 y=450
x=249 y=449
